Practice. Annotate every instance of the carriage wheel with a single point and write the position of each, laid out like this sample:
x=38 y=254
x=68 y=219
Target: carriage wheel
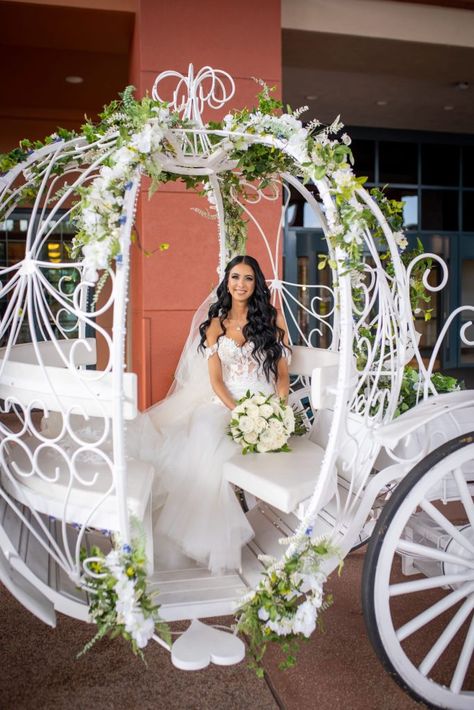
x=422 y=628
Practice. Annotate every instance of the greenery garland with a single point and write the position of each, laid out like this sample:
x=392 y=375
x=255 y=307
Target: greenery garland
x=129 y=137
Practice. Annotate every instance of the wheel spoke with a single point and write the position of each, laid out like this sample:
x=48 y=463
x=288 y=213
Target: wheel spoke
x=451 y=529
x=414 y=548
x=466 y=496
x=433 y=611
x=464 y=659
x=447 y=636
x=420 y=585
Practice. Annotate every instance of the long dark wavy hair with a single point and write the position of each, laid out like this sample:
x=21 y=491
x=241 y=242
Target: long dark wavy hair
x=261 y=329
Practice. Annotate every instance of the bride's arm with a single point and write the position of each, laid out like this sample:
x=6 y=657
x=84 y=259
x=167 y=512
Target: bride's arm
x=283 y=377
x=215 y=367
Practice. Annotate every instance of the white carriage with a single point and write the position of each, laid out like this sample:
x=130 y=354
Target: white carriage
x=67 y=481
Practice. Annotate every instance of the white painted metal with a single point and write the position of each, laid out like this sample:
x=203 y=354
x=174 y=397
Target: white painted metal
x=454 y=580
x=53 y=406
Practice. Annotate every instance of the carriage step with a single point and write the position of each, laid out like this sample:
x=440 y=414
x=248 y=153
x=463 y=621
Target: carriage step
x=194 y=593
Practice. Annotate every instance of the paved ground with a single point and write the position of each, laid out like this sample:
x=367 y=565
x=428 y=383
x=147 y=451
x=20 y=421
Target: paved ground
x=337 y=669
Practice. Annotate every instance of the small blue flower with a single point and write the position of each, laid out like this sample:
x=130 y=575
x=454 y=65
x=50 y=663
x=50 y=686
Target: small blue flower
x=308 y=531
x=128 y=185
x=122 y=219
x=76 y=526
x=119 y=259
x=126 y=548
x=58 y=139
x=105 y=532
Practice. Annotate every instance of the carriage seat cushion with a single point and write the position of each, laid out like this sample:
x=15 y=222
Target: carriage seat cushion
x=282 y=480
x=51 y=496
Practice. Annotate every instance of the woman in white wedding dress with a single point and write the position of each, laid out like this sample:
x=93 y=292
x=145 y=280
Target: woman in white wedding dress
x=244 y=342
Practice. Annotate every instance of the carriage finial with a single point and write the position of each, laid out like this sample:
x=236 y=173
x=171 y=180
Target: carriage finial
x=211 y=87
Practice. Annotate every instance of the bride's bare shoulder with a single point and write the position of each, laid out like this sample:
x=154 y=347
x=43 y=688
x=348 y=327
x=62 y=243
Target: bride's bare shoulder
x=213 y=331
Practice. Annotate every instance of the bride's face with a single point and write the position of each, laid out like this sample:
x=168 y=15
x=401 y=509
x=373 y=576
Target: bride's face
x=241 y=282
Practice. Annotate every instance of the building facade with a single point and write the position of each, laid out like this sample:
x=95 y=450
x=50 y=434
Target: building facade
x=401 y=74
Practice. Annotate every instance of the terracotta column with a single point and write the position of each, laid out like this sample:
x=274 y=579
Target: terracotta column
x=244 y=39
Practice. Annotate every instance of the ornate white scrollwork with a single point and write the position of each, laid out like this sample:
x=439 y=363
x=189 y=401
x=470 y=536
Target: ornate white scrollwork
x=192 y=93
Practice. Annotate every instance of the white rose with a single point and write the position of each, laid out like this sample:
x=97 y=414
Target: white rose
x=263 y=614
x=276 y=427
x=265 y=411
x=246 y=424
x=267 y=440
x=251 y=437
x=260 y=424
x=251 y=409
x=259 y=399
x=280 y=441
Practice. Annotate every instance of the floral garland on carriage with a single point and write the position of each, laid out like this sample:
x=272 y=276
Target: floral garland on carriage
x=136 y=136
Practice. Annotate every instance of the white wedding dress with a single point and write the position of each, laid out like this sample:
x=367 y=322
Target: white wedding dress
x=196 y=511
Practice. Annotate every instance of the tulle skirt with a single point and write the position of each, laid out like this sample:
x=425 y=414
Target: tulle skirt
x=196 y=512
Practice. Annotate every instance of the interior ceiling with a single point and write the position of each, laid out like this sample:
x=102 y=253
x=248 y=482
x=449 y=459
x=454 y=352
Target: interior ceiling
x=42 y=44
x=349 y=75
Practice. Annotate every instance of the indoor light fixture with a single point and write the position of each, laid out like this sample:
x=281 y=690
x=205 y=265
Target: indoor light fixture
x=448 y=107
x=311 y=97
x=74 y=79
x=381 y=102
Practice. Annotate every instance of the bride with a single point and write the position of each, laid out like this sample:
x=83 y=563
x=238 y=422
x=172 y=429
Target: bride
x=245 y=344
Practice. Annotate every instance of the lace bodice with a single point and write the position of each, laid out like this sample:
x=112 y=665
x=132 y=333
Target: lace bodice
x=240 y=371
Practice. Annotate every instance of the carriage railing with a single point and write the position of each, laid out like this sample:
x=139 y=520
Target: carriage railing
x=62 y=447
x=360 y=406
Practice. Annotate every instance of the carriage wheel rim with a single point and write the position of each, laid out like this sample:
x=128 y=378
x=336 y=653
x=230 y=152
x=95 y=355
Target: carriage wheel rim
x=422 y=685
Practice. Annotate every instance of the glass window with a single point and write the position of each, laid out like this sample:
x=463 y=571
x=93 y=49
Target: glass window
x=439 y=164
x=398 y=162
x=439 y=209
x=468 y=166
x=364 y=158
x=410 y=204
x=468 y=211
x=310 y=218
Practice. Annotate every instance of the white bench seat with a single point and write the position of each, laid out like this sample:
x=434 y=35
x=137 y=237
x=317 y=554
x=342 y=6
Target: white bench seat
x=83 y=504
x=283 y=480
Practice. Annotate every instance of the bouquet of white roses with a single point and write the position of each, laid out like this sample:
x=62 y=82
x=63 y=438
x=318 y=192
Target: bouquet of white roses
x=262 y=423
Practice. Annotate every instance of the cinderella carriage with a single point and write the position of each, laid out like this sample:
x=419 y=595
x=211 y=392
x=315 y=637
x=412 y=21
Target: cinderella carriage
x=68 y=483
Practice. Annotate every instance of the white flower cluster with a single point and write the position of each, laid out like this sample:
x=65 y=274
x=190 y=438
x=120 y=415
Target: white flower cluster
x=261 y=423
x=287 y=128
x=128 y=609
x=100 y=215
x=304 y=617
